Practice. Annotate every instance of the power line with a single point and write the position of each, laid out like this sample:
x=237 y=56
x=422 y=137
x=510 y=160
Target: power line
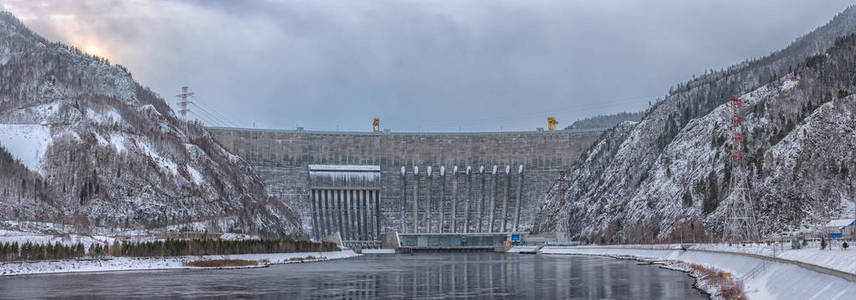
x=215 y=114
x=202 y=118
x=208 y=115
x=213 y=117
x=205 y=119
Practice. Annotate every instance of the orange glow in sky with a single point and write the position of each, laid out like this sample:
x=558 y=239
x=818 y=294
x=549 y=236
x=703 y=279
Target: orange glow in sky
x=91 y=50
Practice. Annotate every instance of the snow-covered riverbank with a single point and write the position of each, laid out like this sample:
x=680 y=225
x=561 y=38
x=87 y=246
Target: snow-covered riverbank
x=112 y=264
x=761 y=279
x=833 y=257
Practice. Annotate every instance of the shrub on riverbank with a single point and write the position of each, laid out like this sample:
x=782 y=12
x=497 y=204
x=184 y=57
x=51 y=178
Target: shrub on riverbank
x=727 y=288
x=169 y=247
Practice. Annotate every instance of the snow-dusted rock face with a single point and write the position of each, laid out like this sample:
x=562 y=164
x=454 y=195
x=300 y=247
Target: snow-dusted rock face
x=83 y=143
x=643 y=180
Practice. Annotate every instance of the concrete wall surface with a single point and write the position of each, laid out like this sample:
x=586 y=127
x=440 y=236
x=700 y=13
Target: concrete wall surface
x=282 y=157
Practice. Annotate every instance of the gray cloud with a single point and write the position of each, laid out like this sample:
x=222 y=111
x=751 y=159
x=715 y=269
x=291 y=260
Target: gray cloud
x=422 y=65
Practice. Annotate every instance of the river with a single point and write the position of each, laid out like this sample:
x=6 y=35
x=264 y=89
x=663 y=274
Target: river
x=430 y=275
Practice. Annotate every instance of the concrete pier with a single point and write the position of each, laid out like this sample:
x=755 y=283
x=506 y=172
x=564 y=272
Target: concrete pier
x=402 y=201
x=454 y=217
x=492 y=203
x=469 y=200
x=505 y=199
x=480 y=205
x=429 y=205
x=376 y=198
x=415 y=201
x=519 y=199
x=442 y=225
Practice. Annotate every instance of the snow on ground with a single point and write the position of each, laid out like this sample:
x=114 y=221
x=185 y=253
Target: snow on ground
x=378 y=251
x=158 y=263
x=32 y=228
x=101 y=140
x=760 y=279
x=518 y=249
x=285 y=258
x=149 y=108
x=11 y=236
x=47 y=110
x=118 y=141
x=51 y=233
x=237 y=237
x=212 y=226
x=789 y=84
x=218 y=224
x=107 y=116
x=195 y=175
x=834 y=258
x=40 y=232
x=162 y=162
x=27 y=143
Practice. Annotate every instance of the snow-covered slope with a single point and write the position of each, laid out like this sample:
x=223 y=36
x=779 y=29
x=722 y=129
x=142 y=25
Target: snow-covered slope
x=97 y=148
x=671 y=170
x=26 y=142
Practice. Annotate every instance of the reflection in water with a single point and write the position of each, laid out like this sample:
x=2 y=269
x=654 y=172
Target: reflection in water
x=438 y=275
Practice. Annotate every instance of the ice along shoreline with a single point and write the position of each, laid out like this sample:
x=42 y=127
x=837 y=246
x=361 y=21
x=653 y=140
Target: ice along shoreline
x=146 y=264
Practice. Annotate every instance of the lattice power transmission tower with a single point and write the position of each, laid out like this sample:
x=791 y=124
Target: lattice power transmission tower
x=741 y=222
x=183 y=102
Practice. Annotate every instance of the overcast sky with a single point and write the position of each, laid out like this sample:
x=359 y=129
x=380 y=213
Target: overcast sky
x=420 y=65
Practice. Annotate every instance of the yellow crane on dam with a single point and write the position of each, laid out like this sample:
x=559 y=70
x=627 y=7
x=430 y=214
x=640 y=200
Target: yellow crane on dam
x=376 y=125
x=551 y=123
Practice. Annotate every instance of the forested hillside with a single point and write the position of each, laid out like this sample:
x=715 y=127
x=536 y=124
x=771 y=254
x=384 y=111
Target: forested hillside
x=643 y=180
x=605 y=121
x=85 y=144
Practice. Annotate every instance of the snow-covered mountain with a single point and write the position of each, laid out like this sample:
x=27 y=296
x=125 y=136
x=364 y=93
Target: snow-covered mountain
x=83 y=143
x=605 y=121
x=643 y=180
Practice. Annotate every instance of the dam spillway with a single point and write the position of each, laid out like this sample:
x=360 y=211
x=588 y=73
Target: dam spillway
x=425 y=182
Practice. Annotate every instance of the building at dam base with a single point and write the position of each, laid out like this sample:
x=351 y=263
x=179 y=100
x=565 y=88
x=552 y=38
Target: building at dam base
x=364 y=185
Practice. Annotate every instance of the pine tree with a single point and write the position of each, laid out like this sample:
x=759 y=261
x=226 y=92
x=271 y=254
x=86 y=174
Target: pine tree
x=687 y=199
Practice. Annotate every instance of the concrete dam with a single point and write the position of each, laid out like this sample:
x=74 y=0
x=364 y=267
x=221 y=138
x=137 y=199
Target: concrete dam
x=363 y=184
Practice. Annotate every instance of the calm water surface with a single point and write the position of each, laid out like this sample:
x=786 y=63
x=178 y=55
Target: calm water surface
x=441 y=275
